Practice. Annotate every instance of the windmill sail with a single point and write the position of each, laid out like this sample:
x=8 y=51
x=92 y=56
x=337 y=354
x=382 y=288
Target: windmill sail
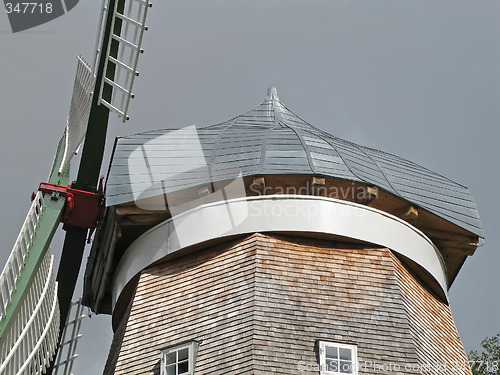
x=79 y=112
x=70 y=336
x=122 y=54
x=29 y=311
x=120 y=67
x=31 y=340
x=32 y=303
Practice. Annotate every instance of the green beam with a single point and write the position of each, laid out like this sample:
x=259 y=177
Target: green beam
x=48 y=222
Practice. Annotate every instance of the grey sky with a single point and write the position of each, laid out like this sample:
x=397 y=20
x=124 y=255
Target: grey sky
x=420 y=79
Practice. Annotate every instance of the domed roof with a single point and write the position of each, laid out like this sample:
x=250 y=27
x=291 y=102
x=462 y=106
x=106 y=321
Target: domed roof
x=272 y=140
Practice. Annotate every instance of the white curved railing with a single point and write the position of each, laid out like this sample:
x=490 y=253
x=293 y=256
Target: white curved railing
x=282 y=214
x=30 y=342
x=16 y=262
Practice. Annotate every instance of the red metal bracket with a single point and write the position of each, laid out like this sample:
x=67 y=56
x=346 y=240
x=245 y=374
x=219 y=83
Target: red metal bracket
x=83 y=209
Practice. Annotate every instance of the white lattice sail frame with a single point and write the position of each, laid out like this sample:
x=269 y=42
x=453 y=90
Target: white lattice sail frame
x=79 y=112
x=129 y=41
x=31 y=340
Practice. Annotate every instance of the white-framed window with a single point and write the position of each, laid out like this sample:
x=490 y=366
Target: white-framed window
x=336 y=358
x=179 y=359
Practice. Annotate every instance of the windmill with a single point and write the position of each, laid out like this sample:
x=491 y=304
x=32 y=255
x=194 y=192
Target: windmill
x=260 y=183
x=34 y=306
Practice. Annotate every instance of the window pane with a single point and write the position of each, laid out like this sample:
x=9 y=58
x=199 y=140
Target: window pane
x=346 y=367
x=332 y=365
x=171 y=370
x=332 y=352
x=345 y=354
x=183 y=367
x=170 y=358
x=183 y=354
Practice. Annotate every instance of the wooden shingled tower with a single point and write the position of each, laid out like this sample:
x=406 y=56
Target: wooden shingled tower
x=263 y=245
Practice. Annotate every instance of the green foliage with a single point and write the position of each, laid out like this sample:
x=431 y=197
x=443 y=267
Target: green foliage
x=486 y=362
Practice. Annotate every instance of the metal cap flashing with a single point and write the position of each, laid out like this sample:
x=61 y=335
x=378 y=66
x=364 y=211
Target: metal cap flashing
x=271 y=140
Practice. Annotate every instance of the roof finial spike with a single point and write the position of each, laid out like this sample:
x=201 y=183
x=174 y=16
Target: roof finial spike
x=272 y=94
